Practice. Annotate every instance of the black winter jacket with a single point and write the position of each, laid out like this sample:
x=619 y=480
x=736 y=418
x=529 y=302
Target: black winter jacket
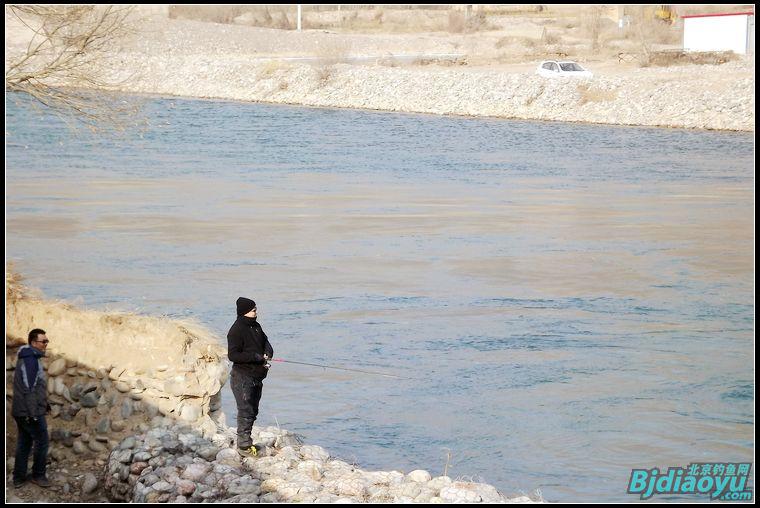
x=29 y=395
x=246 y=346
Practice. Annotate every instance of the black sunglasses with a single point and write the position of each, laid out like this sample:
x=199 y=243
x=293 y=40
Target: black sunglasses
x=42 y=341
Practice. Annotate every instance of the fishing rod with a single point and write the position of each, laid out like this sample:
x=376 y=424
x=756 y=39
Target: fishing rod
x=338 y=368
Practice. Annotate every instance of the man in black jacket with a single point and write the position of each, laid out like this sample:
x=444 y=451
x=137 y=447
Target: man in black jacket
x=249 y=350
x=29 y=406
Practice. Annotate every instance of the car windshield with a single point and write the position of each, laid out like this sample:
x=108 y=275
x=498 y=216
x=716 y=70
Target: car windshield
x=571 y=67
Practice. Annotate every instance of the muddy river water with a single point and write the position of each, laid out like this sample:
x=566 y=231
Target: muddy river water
x=568 y=301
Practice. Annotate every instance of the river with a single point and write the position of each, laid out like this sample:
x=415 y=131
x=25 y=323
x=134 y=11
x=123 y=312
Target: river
x=568 y=301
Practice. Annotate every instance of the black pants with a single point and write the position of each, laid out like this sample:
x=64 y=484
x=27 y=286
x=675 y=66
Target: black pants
x=247 y=391
x=31 y=431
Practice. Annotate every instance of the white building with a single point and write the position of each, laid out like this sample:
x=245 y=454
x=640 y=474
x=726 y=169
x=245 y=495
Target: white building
x=720 y=32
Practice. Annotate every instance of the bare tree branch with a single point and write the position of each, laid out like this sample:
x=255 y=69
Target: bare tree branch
x=71 y=48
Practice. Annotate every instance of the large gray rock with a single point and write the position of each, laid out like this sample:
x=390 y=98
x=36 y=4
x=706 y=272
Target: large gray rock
x=96 y=446
x=162 y=486
x=128 y=443
x=194 y=472
x=89 y=399
x=312 y=452
x=439 y=482
x=208 y=452
x=126 y=409
x=190 y=412
x=461 y=492
x=57 y=367
x=244 y=485
x=346 y=486
x=228 y=456
x=143 y=456
x=90 y=483
x=123 y=456
x=185 y=487
x=103 y=426
x=419 y=476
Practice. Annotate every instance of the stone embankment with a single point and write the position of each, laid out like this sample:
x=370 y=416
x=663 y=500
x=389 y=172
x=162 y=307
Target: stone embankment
x=136 y=416
x=173 y=463
x=646 y=97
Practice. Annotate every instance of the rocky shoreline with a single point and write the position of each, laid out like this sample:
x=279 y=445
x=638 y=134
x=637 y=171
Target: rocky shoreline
x=172 y=463
x=647 y=97
x=149 y=428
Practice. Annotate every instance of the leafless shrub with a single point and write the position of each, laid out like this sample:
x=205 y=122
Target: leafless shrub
x=284 y=22
x=461 y=22
x=348 y=20
x=548 y=37
x=504 y=41
x=267 y=17
x=457 y=22
x=208 y=13
x=591 y=23
x=68 y=54
x=252 y=15
x=330 y=53
x=282 y=85
x=479 y=22
x=325 y=74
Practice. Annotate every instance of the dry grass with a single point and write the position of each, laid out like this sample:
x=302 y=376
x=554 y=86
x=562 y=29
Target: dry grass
x=270 y=69
x=514 y=10
x=142 y=342
x=284 y=23
x=460 y=22
x=14 y=287
x=266 y=16
x=678 y=57
x=550 y=37
x=325 y=74
x=208 y=13
x=330 y=53
x=440 y=61
x=590 y=94
x=388 y=19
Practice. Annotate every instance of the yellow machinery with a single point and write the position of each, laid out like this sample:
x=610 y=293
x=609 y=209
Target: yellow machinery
x=665 y=13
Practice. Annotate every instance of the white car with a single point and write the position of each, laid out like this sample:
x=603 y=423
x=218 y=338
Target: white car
x=555 y=69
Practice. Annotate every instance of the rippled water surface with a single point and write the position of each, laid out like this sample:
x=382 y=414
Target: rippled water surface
x=569 y=301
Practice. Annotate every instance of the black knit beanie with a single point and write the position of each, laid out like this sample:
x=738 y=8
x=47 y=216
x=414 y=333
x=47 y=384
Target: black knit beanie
x=245 y=305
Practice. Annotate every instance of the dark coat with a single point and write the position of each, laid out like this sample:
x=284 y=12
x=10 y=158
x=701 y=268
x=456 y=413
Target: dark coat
x=246 y=346
x=29 y=395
